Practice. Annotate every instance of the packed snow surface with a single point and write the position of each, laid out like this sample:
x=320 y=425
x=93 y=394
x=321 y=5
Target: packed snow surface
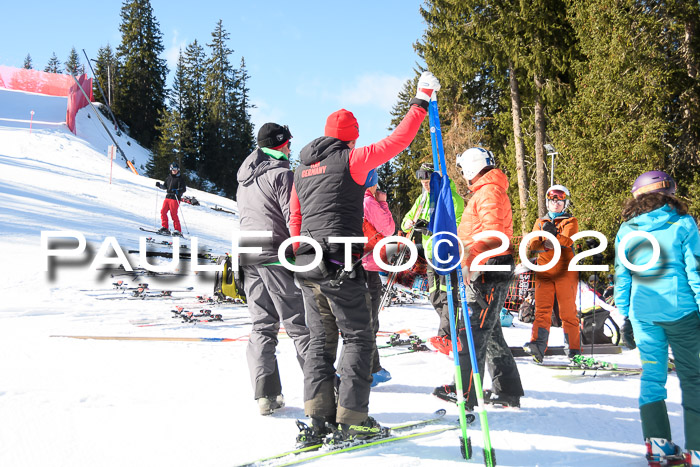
x=88 y=402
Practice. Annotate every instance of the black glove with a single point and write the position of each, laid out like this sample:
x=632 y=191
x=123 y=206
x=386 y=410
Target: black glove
x=628 y=335
x=549 y=227
x=420 y=225
x=159 y=185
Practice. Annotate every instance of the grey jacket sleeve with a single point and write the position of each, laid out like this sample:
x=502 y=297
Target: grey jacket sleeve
x=283 y=186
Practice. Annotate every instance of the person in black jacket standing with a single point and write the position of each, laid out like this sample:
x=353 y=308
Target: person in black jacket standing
x=264 y=187
x=175 y=186
x=327 y=202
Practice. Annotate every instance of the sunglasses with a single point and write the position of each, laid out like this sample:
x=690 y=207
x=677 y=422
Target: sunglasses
x=556 y=195
x=422 y=174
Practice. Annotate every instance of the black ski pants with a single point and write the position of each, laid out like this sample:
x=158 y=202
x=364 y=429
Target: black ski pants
x=374 y=284
x=350 y=306
x=490 y=346
x=437 y=289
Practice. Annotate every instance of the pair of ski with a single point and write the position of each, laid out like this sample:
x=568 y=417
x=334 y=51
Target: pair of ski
x=393 y=434
x=140 y=295
x=599 y=366
x=218 y=209
x=165 y=234
x=204 y=316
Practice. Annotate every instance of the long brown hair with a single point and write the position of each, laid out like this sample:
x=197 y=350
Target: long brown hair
x=650 y=201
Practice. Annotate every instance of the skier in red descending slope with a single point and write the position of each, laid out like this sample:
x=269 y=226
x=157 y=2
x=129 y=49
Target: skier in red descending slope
x=327 y=201
x=175 y=186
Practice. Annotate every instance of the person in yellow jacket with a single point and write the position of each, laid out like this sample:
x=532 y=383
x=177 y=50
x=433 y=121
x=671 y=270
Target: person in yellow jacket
x=419 y=216
x=558 y=282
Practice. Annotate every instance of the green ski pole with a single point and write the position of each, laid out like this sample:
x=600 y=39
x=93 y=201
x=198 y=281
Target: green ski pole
x=489 y=453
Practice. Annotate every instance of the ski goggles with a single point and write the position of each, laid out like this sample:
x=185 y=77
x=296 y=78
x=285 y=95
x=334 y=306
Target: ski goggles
x=422 y=174
x=556 y=195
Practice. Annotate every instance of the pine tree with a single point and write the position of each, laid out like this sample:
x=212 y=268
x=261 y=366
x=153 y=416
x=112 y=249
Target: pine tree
x=173 y=132
x=622 y=120
x=73 y=65
x=140 y=94
x=27 y=62
x=194 y=110
x=54 y=65
x=168 y=146
x=106 y=72
x=244 y=137
x=219 y=131
x=402 y=186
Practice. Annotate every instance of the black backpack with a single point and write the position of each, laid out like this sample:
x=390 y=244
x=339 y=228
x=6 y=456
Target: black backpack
x=601 y=329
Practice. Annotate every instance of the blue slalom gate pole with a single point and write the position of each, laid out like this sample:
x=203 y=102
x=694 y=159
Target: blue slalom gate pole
x=489 y=453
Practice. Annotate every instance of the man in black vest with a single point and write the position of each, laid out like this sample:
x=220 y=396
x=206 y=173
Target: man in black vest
x=327 y=201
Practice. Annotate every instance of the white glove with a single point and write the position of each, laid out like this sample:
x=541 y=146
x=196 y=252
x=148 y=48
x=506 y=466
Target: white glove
x=469 y=276
x=427 y=84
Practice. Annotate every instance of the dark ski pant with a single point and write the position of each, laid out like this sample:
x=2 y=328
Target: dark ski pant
x=653 y=340
x=437 y=288
x=491 y=348
x=374 y=284
x=272 y=297
x=350 y=305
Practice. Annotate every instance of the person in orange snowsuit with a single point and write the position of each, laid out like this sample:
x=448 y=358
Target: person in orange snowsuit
x=558 y=282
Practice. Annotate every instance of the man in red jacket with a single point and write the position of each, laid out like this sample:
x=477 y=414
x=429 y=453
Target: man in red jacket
x=327 y=201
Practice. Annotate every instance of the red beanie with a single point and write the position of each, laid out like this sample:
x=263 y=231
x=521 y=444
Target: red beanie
x=343 y=125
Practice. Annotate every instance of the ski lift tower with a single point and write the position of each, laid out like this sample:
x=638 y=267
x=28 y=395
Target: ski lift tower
x=551 y=151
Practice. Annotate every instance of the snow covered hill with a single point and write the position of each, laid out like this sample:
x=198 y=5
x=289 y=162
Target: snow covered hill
x=74 y=402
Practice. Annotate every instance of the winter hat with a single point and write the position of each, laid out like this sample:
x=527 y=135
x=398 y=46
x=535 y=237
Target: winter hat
x=343 y=125
x=372 y=178
x=272 y=135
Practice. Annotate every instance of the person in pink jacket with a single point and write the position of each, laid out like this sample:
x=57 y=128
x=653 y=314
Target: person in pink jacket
x=378 y=223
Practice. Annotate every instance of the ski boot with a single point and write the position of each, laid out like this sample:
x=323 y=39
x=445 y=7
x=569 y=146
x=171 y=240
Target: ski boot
x=177 y=233
x=163 y=231
x=692 y=458
x=448 y=393
x=538 y=344
x=347 y=433
x=312 y=435
x=443 y=344
x=268 y=405
x=662 y=453
x=503 y=400
x=382 y=376
x=533 y=349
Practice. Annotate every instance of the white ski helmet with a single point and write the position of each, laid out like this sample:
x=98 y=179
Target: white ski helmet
x=474 y=160
x=559 y=192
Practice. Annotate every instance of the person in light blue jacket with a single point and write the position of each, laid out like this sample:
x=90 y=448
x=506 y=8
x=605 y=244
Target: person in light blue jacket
x=660 y=299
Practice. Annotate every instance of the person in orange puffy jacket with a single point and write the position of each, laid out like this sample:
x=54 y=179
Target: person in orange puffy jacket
x=487 y=210
x=557 y=282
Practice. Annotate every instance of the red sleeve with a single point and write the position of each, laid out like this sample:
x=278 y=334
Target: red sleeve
x=366 y=158
x=294 y=216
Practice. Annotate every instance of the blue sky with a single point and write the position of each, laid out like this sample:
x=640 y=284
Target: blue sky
x=306 y=58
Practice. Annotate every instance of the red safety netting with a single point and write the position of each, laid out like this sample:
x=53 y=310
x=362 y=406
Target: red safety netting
x=21 y=79
x=523 y=284
x=52 y=84
x=76 y=99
